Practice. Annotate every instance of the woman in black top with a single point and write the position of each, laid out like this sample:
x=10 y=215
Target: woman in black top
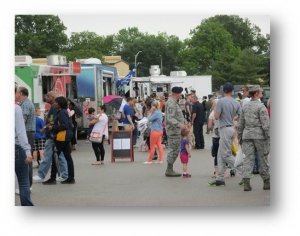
x=63 y=124
x=74 y=122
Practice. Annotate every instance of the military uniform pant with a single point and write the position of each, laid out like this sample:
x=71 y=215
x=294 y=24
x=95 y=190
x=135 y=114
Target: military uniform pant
x=224 y=153
x=250 y=147
x=174 y=146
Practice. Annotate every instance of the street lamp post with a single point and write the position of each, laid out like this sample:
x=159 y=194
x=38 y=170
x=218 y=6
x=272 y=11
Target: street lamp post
x=135 y=57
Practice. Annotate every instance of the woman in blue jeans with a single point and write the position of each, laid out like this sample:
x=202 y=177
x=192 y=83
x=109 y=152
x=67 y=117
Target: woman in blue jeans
x=63 y=124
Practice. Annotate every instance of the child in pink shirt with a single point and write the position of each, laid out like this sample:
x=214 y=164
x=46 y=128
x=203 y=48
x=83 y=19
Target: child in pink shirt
x=185 y=152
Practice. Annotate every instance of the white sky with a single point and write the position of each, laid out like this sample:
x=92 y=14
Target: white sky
x=179 y=24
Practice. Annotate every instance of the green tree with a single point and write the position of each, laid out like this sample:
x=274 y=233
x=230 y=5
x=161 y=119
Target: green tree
x=244 y=34
x=125 y=37
x=88 y=44
x=208 y=45
x=230 y=49
x=241 y=30
x=39 y=35
x=221 y=71
x=246 y=68
x=155 y=49
x=84 y=45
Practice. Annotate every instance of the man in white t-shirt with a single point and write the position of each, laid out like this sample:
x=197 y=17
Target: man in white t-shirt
x=246 y=97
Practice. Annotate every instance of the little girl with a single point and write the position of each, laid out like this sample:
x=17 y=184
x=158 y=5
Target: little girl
x=185 y=151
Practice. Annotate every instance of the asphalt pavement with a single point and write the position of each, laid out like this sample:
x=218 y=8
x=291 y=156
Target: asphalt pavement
x=126 y=183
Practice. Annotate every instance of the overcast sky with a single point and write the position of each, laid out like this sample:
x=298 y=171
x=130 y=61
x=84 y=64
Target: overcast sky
x=179 y=25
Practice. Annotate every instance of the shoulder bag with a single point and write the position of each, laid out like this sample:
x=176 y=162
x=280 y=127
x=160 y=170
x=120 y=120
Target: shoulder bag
x=96 y=136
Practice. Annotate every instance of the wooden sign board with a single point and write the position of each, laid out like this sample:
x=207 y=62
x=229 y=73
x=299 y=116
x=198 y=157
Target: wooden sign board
x=121 y=145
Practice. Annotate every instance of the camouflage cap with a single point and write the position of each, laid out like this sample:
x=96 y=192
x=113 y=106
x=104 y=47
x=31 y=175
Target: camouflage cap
x=255 y=88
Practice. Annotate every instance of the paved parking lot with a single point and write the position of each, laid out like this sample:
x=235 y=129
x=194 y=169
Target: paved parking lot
x=126 y=183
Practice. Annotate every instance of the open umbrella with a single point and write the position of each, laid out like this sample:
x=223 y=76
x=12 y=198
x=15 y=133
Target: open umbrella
x=77 y=108
x=113 y=100
x=107 y=99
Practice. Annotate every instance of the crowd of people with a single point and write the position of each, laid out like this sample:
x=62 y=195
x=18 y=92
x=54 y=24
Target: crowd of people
x=173 y=120
x=241 y=122
x=37 y=140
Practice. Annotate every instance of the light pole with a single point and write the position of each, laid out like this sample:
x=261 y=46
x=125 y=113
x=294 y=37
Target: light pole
x=135 y=57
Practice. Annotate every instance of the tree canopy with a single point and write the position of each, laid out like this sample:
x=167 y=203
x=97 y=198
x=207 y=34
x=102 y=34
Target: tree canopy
x=227 y=47
x=39 y=35
x=230 y=49
x=88 y=44
x=156 y=50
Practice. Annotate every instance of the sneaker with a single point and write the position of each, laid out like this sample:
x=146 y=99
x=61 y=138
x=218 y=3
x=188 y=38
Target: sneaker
x=159 y=162
x=216 y=183
x=186 y=175
x=37 y=179
x=148 y=162
x=59 y=179
x=49 y=182
x=68 y=181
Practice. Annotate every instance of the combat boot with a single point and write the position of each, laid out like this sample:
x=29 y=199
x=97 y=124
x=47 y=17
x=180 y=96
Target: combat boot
x=170 y=172
x=266 y=184
x=247 y=186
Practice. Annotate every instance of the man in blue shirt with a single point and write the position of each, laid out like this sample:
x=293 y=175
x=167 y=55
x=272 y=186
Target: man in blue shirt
x=28 y=111
x=128 y=113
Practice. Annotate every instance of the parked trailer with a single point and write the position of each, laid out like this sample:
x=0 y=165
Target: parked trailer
x=142 y=87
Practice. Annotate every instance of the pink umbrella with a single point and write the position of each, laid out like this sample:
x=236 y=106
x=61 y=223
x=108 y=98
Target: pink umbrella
x=107 y=99
x=113 y=100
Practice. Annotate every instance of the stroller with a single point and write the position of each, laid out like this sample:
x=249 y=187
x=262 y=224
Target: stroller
x=144 y=129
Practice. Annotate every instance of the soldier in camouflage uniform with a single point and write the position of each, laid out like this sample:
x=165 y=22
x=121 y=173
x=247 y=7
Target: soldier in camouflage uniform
x=174 y=124
x=254 y=135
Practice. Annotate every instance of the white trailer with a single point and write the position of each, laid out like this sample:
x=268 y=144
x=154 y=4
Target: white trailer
x=142 y=87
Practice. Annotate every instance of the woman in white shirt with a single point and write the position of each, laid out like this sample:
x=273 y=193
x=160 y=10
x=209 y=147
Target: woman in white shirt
x=101 y=125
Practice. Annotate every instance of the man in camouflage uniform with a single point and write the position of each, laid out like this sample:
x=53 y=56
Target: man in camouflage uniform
x=254 y=135
x=174 y=124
